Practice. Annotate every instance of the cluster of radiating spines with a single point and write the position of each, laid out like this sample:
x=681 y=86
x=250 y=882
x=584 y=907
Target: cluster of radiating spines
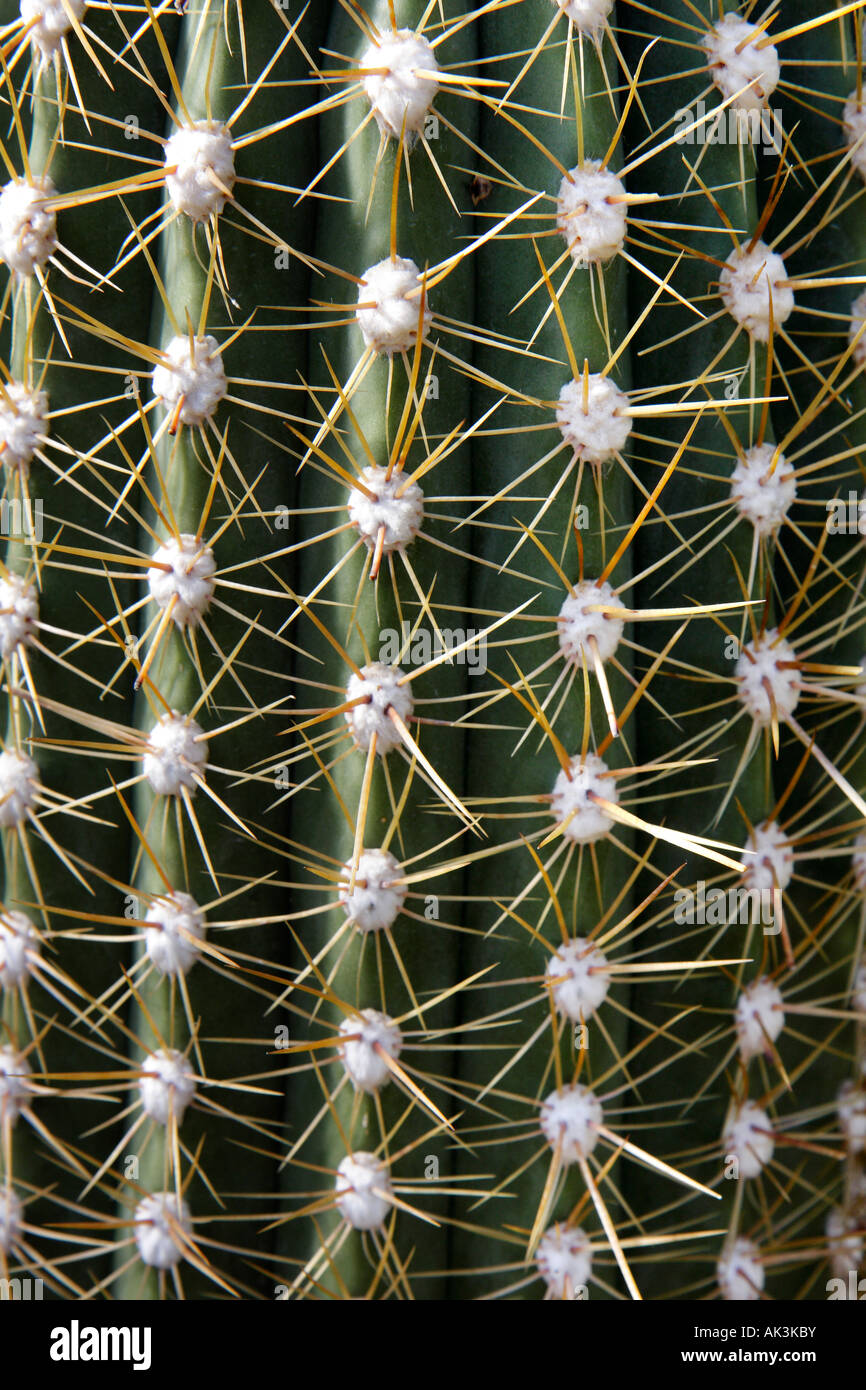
x=591 y=247
x=180 y=578
x=179 y=574
x=595 y=420
x=386 y=516
x=846 y=1222
x=771 y=679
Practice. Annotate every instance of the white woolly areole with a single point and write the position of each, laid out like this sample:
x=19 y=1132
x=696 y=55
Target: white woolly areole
x=572 y=799
x=400 y=515
x=28 y=229
x=359 y=1053
x=52 y=21
x=858 y=314
x=599 y=431
x=762 y=493
x=586 y=978
x=734 y=59
x=19 y=948
x=11 y=1219
x=771 y=863
x=854 y=125
x=404 y=92
x=167 y=1085
x=377 y=898
x=23 y=425
x=569 y=1118
x=189 y=582
x=161 y=1222
x=377 y=686
x=748 y=282
x=587 y=16
x=386 y=315
x=845 y=1241
x=174 y=928
x=19 y=611
x=739 y=1272
x=15 y=1091
x=198 y=377
x=563 y=1258
x=175 y=750
x=202 y=158
x=363 y=1190
x=748 y=1137
x=577 y=623
x=763 y=660
x=851 y=1109
x=593 y=226
x=758 y=1018
x=19 y=783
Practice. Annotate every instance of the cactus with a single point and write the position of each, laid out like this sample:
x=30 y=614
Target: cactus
x=434 y=834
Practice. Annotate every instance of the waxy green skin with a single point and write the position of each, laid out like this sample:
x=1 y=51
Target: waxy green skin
x=841 y=242
x=703 y=646
x=428 y=228
x=494 y=770
x=764 y=780
x=229 y=1008
x=93 y=233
